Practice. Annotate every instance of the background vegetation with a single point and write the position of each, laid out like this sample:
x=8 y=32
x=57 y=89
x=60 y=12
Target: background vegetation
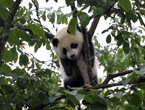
x=30 y=86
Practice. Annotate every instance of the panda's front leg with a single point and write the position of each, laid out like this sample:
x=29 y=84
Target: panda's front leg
x=67 y=65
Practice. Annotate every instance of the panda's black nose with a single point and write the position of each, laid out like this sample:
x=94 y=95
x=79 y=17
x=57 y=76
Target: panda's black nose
x=72 y=56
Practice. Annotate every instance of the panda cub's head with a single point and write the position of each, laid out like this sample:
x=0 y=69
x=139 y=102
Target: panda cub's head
x=67 y=45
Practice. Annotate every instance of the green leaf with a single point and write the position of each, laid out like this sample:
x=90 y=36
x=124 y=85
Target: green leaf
x=4 y=13
x=99 y=11
x=37 y=30
x=140 y=72
x=84 y=18
x=74 y=92
x=118 y=95
x=80 y=2
x=61 y=19
x=72 y=26
x=37 y=46
x=79 y=96
x=44 y=16
x=126 y=48
x=126 y=81
x=15 y=55
x=14 y=75
x=7 y=88
x=8 y=106
x=68 y=2
x=142 y=11
x=3 y=81
x=53 y=98
x=23 y=35
x=7 y=3
x=142 y=69
x=23 y=60
x=100 y=99
x=125 y=4
x=34 y=78
x=136 y=54
x=108 y=39
x=13 y=38
x=2 y=107
x=7 y=55
x=98 y=106
x=30 y=5
x=18 y=71
x=52 y=20
x=134 y=99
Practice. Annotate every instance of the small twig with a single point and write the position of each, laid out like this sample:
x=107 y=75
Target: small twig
x=37 y=13
x=111 y=76
x=25 y=28
x=102 y=86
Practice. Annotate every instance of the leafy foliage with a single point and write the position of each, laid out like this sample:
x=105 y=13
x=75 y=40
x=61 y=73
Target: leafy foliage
x=28 y=83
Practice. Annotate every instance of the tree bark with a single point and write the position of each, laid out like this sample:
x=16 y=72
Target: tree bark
x=5 y=31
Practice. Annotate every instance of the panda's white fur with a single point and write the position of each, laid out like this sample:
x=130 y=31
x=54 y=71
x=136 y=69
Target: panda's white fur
x=64 y=40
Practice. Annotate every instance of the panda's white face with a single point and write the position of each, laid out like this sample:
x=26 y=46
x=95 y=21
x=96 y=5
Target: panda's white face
x=67 y=45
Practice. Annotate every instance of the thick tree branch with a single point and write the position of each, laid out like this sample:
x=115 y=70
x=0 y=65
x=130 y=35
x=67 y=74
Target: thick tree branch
x=88 y=56
x=84 y=65
x=83 y=69
x=5 y=31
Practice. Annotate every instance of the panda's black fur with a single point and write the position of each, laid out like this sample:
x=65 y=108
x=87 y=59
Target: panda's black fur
x=68 y=48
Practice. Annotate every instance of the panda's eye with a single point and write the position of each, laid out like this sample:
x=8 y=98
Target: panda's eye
x=64 y=51
x=73 y=45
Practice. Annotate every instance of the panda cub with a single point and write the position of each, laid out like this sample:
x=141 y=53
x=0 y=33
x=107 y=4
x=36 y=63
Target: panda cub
x=68 y=48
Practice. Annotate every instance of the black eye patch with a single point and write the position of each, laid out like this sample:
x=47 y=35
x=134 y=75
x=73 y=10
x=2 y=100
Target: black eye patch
x=64 y=51
x=73 y=45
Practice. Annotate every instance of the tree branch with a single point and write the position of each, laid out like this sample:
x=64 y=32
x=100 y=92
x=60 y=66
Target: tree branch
x=5 y=31
x=83 y=69
x=97 y=18
x=93 y=26
x=111 y=76
x=72 y=9
x=102 y=86
x=26 y=28
x=88 y=56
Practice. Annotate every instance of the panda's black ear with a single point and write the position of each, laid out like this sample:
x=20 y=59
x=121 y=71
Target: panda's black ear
x=55 y=42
